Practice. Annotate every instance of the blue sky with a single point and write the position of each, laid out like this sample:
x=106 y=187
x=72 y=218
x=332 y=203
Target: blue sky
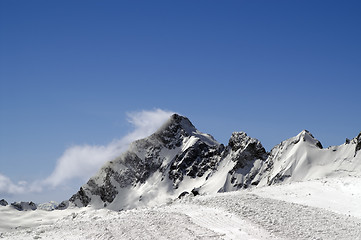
x=71 y=71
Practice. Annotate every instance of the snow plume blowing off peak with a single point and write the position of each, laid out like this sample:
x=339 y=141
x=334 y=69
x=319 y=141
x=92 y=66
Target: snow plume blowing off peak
x=82 y=161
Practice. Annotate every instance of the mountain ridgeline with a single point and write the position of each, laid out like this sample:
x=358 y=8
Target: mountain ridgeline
x=178 y=160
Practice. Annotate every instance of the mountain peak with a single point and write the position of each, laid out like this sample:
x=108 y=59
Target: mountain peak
x=305 y=132
x=179 y=127
x=184 y=122
x=306 y=136
x=177 y=121
x=239 y=140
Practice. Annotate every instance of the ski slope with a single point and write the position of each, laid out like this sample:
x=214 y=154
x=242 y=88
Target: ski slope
x=291 y=211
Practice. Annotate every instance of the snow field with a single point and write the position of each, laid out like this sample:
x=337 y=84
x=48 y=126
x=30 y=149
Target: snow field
x=228 y=225
x=339 y=195
x=14 y=220
x=324 y=209
x=107 y=224
x=286 y=220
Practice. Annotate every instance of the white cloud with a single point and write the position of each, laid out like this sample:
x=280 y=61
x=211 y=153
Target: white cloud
x=81 y=162
x=8 y=187
x=145 y=123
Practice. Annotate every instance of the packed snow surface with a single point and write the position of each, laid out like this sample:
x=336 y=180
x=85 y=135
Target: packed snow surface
x=315 y=209
x=340 y=195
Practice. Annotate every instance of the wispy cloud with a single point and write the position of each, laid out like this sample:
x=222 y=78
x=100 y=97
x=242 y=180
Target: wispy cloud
x=83 y=161
x=8 y=187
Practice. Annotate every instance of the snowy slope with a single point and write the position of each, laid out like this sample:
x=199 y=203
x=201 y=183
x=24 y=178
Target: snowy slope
x=341 y=195
x=236 y=215
x=302 y=158
x=240 y=162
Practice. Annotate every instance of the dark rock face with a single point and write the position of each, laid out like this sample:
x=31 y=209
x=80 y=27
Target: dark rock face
x=3 y=202
x=194 y=162
x=24 y=206
x=107 y=191
x=319 y=145
x=135 y=171
x=238 y=140
x=358 y=143
x=244 y=151
x=171 y=135
x=80 y=196
x=63 y=205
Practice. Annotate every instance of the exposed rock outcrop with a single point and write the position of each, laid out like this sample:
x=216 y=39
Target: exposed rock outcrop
x=24 y=206
x=358 y=143
x=3 y=202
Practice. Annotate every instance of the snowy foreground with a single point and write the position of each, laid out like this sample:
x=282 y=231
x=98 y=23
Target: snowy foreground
x=318 y=209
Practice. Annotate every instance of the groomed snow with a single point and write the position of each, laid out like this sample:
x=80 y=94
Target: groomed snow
x=340 y=195
x=319 y=209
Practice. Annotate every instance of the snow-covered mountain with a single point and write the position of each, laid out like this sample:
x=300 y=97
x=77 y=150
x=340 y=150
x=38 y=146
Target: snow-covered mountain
x=174 y=161
x=303 y=158
x=178 y=160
